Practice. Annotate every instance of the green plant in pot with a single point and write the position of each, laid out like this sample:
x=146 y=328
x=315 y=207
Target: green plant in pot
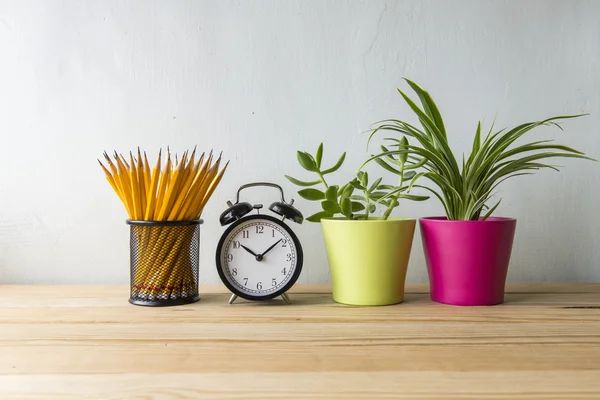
x=368 y=254
x=468 y=250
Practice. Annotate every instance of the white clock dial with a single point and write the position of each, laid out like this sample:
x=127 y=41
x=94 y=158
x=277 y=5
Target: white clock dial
x=259 y=257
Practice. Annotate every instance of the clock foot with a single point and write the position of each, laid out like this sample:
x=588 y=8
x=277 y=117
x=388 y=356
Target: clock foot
x=286 y=298
x=232 y=298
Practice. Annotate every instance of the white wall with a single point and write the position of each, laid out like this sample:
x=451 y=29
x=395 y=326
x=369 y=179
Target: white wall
x=260 y=79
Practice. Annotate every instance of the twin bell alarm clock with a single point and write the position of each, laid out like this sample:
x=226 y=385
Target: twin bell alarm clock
x=259 y=257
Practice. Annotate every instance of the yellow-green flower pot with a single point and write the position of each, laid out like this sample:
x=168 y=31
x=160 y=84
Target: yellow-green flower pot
x=368 y=259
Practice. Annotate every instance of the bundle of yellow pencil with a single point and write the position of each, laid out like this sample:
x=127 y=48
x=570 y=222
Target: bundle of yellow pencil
x=175 y=191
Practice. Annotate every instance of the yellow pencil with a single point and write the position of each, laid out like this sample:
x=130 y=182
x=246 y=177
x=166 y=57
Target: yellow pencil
x=151 y=195
x=164 y=181
x=201 y=174
x=179 y=190
x=189 y=175
x=171 y=191
x=141 y=178
x=212 y=188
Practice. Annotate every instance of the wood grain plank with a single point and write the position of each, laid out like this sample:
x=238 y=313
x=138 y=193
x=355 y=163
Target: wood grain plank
x=187 y=356
x=75 y=342
x=306 y=308
x=428 y=385
x=351 y=333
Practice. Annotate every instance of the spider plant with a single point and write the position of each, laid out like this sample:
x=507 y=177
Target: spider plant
x=466 y=188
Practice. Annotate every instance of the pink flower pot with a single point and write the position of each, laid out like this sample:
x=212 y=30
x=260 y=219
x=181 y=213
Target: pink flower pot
x=467 y=261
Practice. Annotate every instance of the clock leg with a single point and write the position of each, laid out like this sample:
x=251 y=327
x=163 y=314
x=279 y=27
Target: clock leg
x=232 y=298
x=286 y=298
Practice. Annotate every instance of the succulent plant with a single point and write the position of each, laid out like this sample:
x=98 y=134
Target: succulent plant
x=342 y=201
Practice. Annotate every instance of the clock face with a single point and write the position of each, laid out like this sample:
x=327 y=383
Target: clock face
x=259 y=257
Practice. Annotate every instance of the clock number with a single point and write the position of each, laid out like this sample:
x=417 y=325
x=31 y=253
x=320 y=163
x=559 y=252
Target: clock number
x=273 y=232
x=259 y=229
x=274 y=282
x=236 y=245
x=288 y=257
x=259 y=285
x=245 y=234
x=284 y=243
x=283 y=271
x=245 y=281
x=229 y=257
x=234 y=272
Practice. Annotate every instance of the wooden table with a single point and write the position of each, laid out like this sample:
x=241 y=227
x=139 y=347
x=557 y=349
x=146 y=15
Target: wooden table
x=87 y=342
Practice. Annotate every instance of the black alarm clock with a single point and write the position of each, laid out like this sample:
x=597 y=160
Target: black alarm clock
x=259 y=257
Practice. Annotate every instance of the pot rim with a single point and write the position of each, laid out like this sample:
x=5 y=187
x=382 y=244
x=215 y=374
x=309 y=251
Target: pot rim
x=342 y=220
x=445 y=220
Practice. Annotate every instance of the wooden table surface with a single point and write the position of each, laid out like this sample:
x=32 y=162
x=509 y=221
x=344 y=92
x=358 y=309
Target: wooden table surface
x=87 y=342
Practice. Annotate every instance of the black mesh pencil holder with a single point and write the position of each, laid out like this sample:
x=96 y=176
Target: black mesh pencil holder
x=164 y=262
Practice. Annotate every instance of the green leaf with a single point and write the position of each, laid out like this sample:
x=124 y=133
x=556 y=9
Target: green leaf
x=355 y=184
x=377 y=195
x=386 y=166
x=307 y=161
x=363 y=177
x=330 y=207
x=436 y=136
x=414 y=180
x=331 y=193
x=476 y=142
x=342 y=189
x=420 y=162
x=347 y=192
x=386 y=187
x=372 y=208
x=319 y=216
x=374 y=185
x=346 y=207
x=337 y=165
x=402 y=145
x=413 y=197
x=356 y=206
x=319 y=155
x=491 y=210
x=301 y=183
x=311 y=194
x=429 y=106
x=408 y=175
x=390 y=158
x=358 y=198
x=441 y=198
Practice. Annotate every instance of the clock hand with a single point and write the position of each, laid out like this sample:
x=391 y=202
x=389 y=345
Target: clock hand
x=270 y=248
x=249 y=251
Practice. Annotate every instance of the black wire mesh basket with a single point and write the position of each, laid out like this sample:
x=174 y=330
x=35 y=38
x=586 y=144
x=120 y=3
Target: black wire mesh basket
x=164 y=262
